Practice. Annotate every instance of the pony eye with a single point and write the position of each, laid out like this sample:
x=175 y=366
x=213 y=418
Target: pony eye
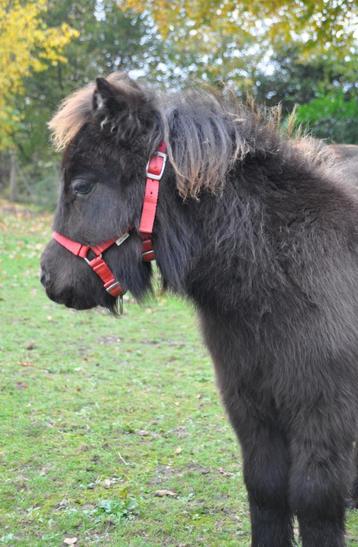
x=82 y=186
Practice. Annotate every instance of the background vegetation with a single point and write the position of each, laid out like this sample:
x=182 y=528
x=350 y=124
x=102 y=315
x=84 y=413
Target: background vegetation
x=302 y=52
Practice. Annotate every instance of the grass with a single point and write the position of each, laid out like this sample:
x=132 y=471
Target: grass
x=111 y=431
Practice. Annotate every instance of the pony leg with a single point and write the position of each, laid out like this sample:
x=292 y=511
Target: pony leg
x=266 y=470
x=265 y=449
x=320 y=477
x=266 y=474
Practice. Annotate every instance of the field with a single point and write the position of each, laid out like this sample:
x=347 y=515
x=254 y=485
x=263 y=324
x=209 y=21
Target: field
x=111 y=430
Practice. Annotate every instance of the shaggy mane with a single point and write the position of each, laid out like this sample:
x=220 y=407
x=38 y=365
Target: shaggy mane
x=206 y=133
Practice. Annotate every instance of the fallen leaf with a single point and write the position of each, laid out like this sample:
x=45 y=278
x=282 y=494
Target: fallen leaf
x=163 y=493
x=21 y=385
x=62 y=504
x=25 y=364
x=107 y=483
x=70 y=541
x=178 y=450
x=226 y=473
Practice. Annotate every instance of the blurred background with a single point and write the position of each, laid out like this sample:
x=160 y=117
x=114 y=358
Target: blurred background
x=300 y=53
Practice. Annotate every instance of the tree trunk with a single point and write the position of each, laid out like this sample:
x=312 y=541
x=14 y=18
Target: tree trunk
x=13 y=177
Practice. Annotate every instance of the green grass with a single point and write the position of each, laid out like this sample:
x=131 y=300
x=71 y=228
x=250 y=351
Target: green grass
x=99 y=416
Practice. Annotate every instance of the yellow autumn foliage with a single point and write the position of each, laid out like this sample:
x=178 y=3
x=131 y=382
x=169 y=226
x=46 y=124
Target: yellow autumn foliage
x=319 y=26
x=27 y=44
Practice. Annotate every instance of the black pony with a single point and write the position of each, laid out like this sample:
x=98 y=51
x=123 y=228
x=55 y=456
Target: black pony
x=261 y=234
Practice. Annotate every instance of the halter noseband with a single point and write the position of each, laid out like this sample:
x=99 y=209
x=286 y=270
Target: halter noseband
x=154 y=172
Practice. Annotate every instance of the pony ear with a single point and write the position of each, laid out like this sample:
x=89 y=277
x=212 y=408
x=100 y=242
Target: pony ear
x=104 y=94
x=123 y=107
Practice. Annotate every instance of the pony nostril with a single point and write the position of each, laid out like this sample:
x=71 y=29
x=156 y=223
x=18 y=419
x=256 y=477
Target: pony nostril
x=44 y=277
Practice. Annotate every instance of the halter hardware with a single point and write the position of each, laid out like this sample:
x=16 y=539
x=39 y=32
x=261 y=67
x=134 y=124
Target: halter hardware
x=154 y=172
x=122 y=239
x=153 y=165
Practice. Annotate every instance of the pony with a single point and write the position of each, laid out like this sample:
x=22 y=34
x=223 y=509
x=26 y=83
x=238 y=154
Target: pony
x=260 y=232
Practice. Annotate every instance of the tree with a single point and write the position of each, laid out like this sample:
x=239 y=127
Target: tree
x=229 y=38
x=324 y=90
x=320 y=25
x=109 y=39
x=27 y=45
x=331 y=116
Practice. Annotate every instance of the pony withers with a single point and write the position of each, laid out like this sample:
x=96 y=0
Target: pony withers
x=259 y=231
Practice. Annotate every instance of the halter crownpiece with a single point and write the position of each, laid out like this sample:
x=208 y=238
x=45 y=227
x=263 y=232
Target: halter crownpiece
x=154 y=173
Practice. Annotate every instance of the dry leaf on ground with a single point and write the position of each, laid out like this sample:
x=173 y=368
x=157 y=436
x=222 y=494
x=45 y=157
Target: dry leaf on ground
x=163 y=493
x=70 y=541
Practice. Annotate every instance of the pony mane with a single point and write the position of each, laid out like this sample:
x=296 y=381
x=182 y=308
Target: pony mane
x=206 y=132
x=205 y=137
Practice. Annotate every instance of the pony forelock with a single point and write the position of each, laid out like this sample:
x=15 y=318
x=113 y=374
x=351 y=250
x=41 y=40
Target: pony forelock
x=73 y=113
x=76 y=110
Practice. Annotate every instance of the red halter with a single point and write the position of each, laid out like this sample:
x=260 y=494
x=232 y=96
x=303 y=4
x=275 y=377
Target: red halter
x=154 y=171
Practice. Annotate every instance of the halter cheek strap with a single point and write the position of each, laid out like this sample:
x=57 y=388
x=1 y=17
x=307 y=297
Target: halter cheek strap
x=154 y=172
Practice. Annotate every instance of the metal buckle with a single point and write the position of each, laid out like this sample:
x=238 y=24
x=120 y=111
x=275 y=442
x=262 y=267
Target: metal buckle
x=147 y=254
x=152 y=175
x=115 y=284
x=122 y=239
x=119 y=298
x=89 y=261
